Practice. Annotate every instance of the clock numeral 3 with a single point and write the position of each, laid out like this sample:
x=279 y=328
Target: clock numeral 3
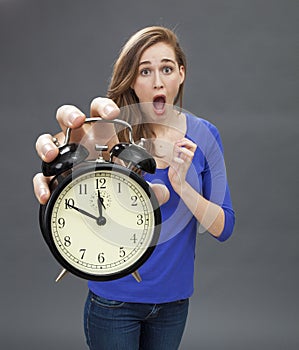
x=140 y=219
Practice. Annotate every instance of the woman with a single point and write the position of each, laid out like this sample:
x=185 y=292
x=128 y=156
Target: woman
x=150 y=72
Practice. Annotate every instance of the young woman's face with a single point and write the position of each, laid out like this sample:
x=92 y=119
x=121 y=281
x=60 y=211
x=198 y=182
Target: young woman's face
x=159 y=77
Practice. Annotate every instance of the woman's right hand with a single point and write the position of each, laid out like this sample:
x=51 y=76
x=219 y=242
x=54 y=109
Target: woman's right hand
x=69 y=116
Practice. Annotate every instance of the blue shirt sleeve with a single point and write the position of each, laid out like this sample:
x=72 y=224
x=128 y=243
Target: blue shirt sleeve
x=214 y=180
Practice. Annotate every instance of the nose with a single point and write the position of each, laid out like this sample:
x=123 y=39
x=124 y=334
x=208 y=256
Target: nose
x=158 y=84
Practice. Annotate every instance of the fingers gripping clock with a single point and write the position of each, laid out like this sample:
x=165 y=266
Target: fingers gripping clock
x=102 y=221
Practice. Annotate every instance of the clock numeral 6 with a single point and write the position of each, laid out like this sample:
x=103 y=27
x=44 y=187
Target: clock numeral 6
x=101 y=258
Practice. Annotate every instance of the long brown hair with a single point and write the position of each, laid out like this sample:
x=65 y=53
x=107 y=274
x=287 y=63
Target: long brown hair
x=126 y=69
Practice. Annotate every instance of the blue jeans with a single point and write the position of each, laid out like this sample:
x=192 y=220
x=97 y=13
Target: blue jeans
x=117 y=325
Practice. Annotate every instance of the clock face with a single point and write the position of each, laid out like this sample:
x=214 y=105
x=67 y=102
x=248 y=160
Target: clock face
x=103 y=222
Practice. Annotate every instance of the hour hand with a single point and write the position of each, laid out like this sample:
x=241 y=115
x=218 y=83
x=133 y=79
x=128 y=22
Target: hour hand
x=100 y=202
x=101 y=220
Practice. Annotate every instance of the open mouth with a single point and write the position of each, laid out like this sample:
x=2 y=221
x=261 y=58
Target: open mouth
x=159 y=104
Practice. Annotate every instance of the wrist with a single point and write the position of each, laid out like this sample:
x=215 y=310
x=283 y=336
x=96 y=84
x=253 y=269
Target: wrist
x=181 y=189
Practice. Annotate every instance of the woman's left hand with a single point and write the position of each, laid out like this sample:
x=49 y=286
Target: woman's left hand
x=184 y=150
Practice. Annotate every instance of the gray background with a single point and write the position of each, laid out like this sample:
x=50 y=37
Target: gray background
x=242 y=76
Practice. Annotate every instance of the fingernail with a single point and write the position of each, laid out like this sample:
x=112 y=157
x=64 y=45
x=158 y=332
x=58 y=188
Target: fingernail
x=43 y=195
x=178 y=160
x=72 y=119
x=108 y=109
x=48 y=151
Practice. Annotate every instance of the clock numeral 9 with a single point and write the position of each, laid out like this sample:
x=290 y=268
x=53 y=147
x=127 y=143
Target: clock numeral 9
x=61 y=223
x=101 y=258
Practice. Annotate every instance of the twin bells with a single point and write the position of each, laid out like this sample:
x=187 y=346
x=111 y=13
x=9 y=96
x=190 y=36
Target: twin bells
x=72 y=154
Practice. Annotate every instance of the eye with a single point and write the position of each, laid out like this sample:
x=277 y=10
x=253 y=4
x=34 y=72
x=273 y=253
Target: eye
x=167 y=70
x=145 y=72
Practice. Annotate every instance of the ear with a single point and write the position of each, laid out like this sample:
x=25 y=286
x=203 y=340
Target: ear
x=182 y=74
x=132 y=84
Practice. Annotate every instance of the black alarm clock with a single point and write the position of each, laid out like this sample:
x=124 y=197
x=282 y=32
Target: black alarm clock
x=102 y=220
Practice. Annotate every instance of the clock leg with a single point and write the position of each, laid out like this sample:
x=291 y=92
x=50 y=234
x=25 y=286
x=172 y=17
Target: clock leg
x=61 y=275
x=137 y=276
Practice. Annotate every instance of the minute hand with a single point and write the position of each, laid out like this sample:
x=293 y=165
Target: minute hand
x=82 y=211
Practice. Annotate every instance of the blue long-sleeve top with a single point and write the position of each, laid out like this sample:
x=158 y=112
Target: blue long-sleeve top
x=169 y=272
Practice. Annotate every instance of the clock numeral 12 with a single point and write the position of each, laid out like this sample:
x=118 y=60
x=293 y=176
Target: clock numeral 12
x=100 y=184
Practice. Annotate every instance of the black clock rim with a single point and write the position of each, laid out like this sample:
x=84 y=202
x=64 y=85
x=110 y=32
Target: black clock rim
x=46 y=211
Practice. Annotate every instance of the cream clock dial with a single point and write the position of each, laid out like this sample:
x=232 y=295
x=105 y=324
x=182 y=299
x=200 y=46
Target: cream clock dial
x=103 y=223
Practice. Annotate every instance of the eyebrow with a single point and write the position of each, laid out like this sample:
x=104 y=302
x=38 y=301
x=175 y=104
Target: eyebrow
x=163 y=61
